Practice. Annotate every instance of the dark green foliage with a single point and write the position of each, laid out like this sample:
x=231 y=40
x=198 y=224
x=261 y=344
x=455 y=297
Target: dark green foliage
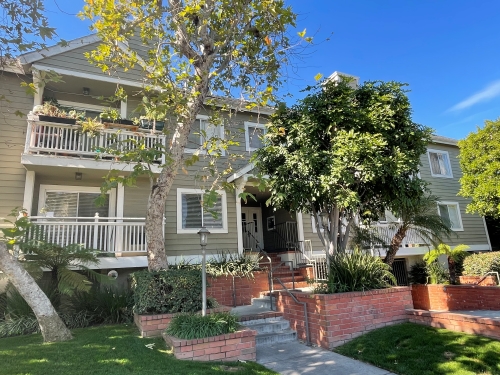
x=418 y=273
x=195 y=326
x=172 y=291
x=480 y=263
x=357 y=271
x=437 y=273
x=413 y=349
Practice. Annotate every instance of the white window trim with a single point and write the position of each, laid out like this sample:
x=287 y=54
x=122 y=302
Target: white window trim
x=448 y=203
x=199 y=150
x=76 y=189
x=429 y=150
x=181 y=230
x=247 y=135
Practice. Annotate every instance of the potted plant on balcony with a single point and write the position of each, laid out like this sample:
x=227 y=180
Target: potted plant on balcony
x=90 y=126
x=111 y=119
x=50 y=112
x=155 y=115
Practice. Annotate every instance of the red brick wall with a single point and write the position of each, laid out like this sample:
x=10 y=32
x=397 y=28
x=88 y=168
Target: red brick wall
x=337 y=318
x=488 y=281
x=230 y=347
x=455 y=297
x=457 y=322
x=221 y=289
x=154 y=324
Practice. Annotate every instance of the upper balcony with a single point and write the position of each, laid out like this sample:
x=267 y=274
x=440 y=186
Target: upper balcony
x=65 y=145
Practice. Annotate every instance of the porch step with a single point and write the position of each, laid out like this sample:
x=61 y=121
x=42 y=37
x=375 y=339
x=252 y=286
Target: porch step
x=266 y=339
x=263 y=302
x=270 y=325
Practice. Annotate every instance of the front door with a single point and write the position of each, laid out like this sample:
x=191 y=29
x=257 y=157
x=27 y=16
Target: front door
x=251 y=220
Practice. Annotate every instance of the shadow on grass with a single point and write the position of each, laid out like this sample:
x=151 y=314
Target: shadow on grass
x=110 y=350
x=412 y=349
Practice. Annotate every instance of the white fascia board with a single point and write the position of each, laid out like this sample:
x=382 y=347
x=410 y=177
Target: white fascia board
x=241 y=172
x=444 y=140
x=31 y=57
x=90 y=76
x=60 y=161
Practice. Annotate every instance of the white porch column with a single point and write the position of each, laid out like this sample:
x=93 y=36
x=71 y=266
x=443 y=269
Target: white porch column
x=300 y=228
x=123 y=109
x=29 y=189
x=240 y=187
x=120 y=202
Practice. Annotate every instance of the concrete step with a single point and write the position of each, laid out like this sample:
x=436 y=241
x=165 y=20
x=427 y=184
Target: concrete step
x=270 y=325
x=263 y=302
x=264 y=339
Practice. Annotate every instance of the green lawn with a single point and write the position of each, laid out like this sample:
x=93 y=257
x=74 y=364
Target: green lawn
x=412 y=349
x=106 y=350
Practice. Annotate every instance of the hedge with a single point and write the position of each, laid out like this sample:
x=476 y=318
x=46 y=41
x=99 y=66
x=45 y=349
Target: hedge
x=480 y=263
x=171 y=291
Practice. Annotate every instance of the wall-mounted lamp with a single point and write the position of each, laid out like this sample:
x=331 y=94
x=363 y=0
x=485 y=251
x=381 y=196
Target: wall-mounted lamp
x=78 y=176
x=86 y=91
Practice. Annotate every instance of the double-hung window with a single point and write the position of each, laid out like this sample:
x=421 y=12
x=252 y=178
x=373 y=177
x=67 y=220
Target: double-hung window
x=254 y=133
x=191 y=215
x=450 y=213
x=203 y=131
x=440 y=163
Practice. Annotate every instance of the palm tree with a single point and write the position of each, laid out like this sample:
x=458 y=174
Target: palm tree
x=421 y=217
x=455 y=255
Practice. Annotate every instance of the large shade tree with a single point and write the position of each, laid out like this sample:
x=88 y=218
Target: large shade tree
x=346 y=152
x=480 y=162
x=194 y=49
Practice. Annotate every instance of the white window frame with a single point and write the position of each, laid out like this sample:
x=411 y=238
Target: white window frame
x=448 y=203
x=181 y=230
x=199 y=150
x=429 y=150
x=77 y=189
x=247 y=135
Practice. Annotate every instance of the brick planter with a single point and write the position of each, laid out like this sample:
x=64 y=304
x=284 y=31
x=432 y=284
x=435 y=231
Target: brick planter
x=229 y=347
x=221 y=288
x=455 y=297
x=337 y=318
x=154 y=324
x=488 y=281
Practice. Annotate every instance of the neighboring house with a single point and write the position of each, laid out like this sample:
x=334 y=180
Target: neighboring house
x=55 y=172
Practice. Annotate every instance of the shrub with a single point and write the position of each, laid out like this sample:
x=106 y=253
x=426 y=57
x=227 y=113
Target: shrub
x=195 y=326
x=357 y=271
x=172 y=291
x=437 y=274
x=482 y=263
x=418 y=273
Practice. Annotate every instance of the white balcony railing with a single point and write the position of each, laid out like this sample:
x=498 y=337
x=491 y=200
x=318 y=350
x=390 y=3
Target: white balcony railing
x=387 y=231
x=68 y=140
x=105 y=234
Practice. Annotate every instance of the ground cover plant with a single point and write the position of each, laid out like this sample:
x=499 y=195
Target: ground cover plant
x=110 y=350
x=195 y=326
x=412 y=349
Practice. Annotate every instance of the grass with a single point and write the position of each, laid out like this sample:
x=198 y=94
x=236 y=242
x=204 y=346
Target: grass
x=106 y=350
x=412 y=349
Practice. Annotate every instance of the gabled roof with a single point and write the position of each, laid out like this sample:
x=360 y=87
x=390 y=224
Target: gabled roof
x=31 y=57
x=444 y=140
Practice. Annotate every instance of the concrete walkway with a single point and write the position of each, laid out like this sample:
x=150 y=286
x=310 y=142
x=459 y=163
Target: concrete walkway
x=294 y=358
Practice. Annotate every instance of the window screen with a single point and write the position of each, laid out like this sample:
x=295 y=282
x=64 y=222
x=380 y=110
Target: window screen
x=440 y=164
x=193 y=216
x=450 y=215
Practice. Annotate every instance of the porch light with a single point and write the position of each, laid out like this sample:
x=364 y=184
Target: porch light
x=323 y=218
x=78 y=176
x=203 y=232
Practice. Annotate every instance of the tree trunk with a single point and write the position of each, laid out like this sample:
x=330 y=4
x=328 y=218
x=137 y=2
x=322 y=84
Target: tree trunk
x=395 y=244
x=157 y=258
x=452 y=268
x=51 y=325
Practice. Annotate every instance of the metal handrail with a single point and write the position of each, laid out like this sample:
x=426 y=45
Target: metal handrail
x=306 y=317
x=486 y=275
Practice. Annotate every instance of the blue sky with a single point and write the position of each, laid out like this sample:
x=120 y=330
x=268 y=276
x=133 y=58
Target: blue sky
x=446 y=50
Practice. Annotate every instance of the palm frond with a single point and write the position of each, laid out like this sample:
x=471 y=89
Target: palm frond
x=70 y=281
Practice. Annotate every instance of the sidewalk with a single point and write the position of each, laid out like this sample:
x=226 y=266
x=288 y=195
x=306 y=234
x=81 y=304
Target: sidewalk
x=294 y=358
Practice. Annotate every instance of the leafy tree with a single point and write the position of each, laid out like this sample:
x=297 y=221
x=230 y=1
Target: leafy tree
x=455 y=256
x=480 y=162
x=344 y=151
x=51 y=325
x=195 y=49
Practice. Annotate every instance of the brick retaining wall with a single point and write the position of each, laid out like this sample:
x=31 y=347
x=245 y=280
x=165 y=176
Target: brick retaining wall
x=455 y=297
x=221 y=288
x=488 y=281
x=230 y=347
x=337 y=318
x=152 y=325
x=457 y=322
